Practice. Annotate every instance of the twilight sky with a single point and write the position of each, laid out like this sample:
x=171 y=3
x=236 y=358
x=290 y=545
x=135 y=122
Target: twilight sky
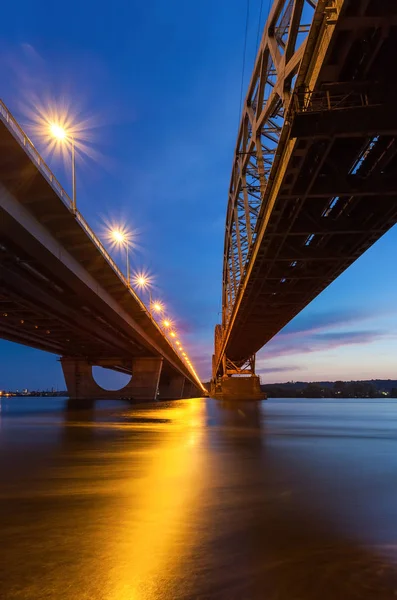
x=158 y=86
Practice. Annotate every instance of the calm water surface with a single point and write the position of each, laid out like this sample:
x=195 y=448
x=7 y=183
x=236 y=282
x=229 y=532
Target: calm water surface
x=280 y=500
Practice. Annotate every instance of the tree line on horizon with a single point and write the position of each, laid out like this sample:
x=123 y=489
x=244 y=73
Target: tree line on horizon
x=336 y=389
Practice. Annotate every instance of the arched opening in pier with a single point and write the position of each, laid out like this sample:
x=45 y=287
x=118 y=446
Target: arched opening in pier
x=110 y=380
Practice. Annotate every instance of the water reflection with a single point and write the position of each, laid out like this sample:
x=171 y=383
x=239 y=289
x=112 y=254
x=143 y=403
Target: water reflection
x=192 y=499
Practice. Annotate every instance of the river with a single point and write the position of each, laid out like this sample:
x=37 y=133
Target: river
x=198 y=499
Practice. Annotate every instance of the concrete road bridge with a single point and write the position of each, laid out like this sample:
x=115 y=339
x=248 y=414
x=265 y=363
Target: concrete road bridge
x=61 y=292
x=314 y=174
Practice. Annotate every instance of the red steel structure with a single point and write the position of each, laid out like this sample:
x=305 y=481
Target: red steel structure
x=314 y=175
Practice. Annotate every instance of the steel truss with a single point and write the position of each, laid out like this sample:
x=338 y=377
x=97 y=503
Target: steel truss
x=266 y=105
x=246 y=368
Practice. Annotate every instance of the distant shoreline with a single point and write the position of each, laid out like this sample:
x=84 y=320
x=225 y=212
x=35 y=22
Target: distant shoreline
x=36 y=394
x=370 y=388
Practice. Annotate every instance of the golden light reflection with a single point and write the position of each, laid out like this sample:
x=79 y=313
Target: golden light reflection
x=155 y=509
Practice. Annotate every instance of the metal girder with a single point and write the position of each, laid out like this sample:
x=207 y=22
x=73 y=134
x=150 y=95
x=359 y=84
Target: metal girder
x=247 y=367
x=266 y=104
x=314 y=177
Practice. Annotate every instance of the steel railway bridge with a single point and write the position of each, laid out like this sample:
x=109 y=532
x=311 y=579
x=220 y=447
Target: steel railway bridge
x=314 y=175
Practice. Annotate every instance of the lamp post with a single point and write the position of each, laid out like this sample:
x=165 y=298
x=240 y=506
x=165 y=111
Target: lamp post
x=121 y=239
x=60 y=133
x=73 y=175
x=143 y=283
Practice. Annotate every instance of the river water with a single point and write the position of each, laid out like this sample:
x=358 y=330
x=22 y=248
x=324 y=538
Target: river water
x=196 y=499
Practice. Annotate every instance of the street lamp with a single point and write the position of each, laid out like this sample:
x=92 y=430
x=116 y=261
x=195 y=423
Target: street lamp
x=121 y=239
x=158 y=307
x=58 y=132
x=143 y=282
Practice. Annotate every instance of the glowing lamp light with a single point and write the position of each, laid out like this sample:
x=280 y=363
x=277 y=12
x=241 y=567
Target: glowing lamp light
x=118 y=236
x=141 y=281
x=57 y=131
x=158 y=307
x=172 y=334
x=166 y=323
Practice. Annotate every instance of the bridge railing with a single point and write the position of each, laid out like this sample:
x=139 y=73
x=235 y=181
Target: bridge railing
x=33 y=153
x=46 y=171
x=21 y=136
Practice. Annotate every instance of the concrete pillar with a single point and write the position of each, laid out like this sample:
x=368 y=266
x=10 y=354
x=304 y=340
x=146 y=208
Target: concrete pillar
x=241 y=388
x=145 y=378
x=78 y=378
x=143 y=385
x=191 y=391
x=171 y=387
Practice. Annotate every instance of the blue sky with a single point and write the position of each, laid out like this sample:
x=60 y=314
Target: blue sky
x=159 y=83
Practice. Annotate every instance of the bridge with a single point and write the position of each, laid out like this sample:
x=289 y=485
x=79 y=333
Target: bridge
x=314 y=174
x=61 y=292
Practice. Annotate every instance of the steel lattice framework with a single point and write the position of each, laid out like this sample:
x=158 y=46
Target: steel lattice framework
x=314 y=175
x=266 y=104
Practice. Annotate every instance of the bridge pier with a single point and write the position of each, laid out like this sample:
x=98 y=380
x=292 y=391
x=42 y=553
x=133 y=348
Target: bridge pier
x=238 y=388
x=142 y=387
x=171 y=387
x=190 y=390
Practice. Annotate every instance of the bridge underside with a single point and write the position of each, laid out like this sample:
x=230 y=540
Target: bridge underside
x=331 y=191
x=149 y=381
x=323 y=220
x=58 y=292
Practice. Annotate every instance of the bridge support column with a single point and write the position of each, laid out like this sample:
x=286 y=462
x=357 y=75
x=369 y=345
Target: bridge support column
x=81 y=384
x=238 y=380
x=190 y=390
x=239 y=388
x=171 y=387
